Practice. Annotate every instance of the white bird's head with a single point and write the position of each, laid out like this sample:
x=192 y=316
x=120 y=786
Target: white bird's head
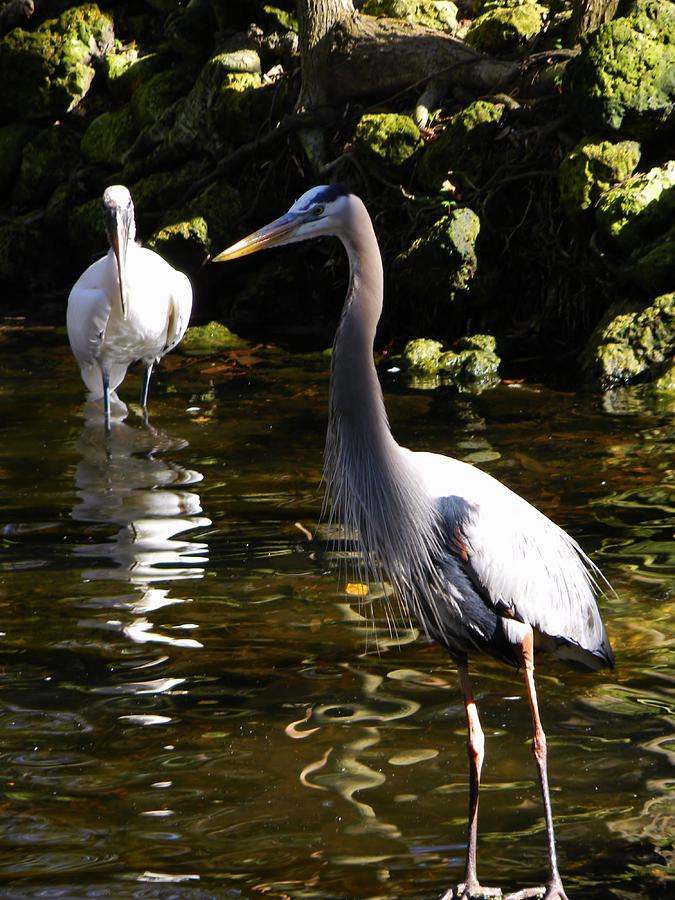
x=321 y=211
x=118 y=211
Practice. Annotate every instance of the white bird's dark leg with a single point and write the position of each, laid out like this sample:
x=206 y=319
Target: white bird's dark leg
x=476 y=750
x=554 y=886
x=147 y=372
x=106 y=399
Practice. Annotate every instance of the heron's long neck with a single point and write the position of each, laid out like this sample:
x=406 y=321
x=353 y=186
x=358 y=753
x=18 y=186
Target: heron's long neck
x=356 y=396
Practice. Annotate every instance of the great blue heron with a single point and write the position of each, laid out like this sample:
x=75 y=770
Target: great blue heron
x=483 y=570
x=128 y=305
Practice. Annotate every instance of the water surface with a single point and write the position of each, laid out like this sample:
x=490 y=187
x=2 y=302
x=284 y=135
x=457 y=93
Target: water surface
x=193 y=705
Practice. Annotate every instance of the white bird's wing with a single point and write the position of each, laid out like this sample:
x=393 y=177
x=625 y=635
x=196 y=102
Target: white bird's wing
x=522 y=563
x=180 y=307
x=88 y=314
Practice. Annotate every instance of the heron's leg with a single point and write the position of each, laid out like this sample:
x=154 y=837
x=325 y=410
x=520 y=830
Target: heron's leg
x=476 y=750
x=554 y=886
x=147 y=372
x=106 y=399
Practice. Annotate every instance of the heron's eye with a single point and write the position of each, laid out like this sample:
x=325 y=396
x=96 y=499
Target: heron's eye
x=318 y=211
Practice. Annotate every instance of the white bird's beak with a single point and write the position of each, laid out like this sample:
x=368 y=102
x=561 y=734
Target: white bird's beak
x=120 y=240
x=280 y=231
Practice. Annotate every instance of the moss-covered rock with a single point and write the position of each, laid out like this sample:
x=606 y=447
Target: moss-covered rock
x=472 y=365
x=458 y=154
x=652 y=268
x=47 y=161
x=158 y=191
x=207 y=340
x=13 y=139
x=46 y=72
x=443 y=260
x=108 y=138
x=633 y=342
x=26 y=258
x=439 y=14
x=624 y=77
x=155 y=94
x=185 y=244
x=422 y=355
x=632 y=214
x=591 y=168
x=506 y=28
x=86 y=230
x=386 y=142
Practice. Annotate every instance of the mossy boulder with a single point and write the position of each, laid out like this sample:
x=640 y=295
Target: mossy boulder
x=150 y=193
x=441 y=262
x=45 y=73
x=13 y=138
x=108 y=138
x=185 y=243
x=439 y=14
x=207 y=340
x=652 y=268
x=154 y=95
x=26 y=257
x=47 y=161
x=633 y=342
x=86 y=230
x=624 y=77
x=458 y=154
x=472 y=364
x=221 y=109
x=632 y=214
x=386 y=142
x=506 y=28
x=591 y=168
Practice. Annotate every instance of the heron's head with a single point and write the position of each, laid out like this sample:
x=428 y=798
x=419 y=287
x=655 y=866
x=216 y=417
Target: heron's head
x=118 y=211
x=320 y=211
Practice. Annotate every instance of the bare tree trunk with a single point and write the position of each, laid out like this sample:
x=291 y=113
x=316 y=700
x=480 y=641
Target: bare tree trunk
x=316 y=18
x=588 y=14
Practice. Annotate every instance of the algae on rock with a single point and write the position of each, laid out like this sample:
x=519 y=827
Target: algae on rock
x=633 y=342
x=632 y=214
x=591 y=168
x=458 y=153
x=45 y=73
x=624 y=77
x=386 y=142
x=504 y=28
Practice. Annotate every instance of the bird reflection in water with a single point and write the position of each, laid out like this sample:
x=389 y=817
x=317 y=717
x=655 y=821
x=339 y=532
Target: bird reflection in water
x=122 y=479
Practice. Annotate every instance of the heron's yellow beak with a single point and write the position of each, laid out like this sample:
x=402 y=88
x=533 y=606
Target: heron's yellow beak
x=272 y=235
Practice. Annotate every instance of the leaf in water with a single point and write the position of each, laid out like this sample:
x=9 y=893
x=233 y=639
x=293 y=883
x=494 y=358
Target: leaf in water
x=356 y=589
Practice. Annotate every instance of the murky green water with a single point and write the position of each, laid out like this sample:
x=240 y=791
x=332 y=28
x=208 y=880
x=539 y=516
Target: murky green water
x=190 y=706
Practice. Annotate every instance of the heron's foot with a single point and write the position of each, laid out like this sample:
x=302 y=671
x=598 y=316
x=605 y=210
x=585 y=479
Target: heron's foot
x=472 y=891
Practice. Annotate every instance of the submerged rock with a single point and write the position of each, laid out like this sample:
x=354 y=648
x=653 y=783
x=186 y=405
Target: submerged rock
x=633 y=342
x=632 y=214
x=591 y=168
x=459 y=152
x=505 y=28
x=45 y=73
x=386 y=142
x=624 y=77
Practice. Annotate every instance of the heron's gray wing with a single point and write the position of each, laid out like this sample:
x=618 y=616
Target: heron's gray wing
x=521 y=562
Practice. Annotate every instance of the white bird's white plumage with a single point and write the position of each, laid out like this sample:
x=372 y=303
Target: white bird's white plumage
x=158 y=298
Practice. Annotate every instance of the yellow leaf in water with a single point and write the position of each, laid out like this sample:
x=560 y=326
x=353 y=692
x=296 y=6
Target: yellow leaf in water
x=357 y=589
